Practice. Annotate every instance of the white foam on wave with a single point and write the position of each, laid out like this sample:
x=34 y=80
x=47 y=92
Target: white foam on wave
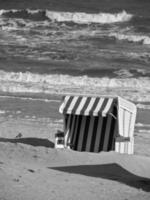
x=3 y=11
x=132 y=38
x=33 y=11
x=144 y=131
x=142 y=125
x=13 y=11
x=85 y=18
x=143 y=106
x=77 y=17
x=55 y=79
x=2 y=111
x=131 y=88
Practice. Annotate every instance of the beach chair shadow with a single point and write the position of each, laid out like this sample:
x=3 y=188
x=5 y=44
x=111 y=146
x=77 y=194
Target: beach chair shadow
x=30 y=141
x=109 y=171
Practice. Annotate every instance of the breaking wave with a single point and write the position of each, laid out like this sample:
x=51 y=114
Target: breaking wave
x=144 y=131
x=131 y=38
x=142 y=125
x=133 y=88
x=76 y=17
x=25 y=14
x=84 y=18
x=144 y=107
x=27 y=77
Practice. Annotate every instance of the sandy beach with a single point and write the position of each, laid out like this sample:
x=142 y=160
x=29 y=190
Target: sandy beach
x=30 y=167
x=49 y=49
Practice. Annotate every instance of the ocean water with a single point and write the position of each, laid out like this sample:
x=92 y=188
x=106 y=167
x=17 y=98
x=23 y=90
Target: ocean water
x=66 y=46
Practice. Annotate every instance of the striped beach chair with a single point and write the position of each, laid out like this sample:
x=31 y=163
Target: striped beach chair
x=95 y=124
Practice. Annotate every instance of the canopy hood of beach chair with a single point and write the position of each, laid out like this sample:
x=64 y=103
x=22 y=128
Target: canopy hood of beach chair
x=84 y=105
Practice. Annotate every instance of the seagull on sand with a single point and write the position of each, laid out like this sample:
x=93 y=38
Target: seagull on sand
x=18 y=136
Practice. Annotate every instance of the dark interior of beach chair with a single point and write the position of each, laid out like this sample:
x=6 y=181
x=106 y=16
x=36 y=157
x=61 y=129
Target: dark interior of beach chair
x=101 y=137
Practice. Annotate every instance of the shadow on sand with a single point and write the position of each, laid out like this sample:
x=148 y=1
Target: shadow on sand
x=30 y=141
x=109 y=171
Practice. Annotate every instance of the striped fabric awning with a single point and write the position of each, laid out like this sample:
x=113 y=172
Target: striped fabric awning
x=83 y=105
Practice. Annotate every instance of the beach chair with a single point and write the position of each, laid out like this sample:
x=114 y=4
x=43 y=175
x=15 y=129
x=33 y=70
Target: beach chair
x=95 y=124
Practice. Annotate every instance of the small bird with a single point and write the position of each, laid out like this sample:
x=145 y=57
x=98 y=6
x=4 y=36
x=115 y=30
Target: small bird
x=19 y=135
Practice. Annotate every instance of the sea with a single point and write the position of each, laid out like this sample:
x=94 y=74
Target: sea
x=50 y=48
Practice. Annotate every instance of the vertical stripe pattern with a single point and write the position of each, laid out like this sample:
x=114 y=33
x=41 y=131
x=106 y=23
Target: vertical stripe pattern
x=91 y=133
x=93 y=123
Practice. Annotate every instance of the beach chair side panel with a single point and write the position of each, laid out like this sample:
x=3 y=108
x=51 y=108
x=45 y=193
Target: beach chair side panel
x=126 y=122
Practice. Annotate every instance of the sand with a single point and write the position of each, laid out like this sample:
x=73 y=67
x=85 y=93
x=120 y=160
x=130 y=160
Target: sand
x=30 y=167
